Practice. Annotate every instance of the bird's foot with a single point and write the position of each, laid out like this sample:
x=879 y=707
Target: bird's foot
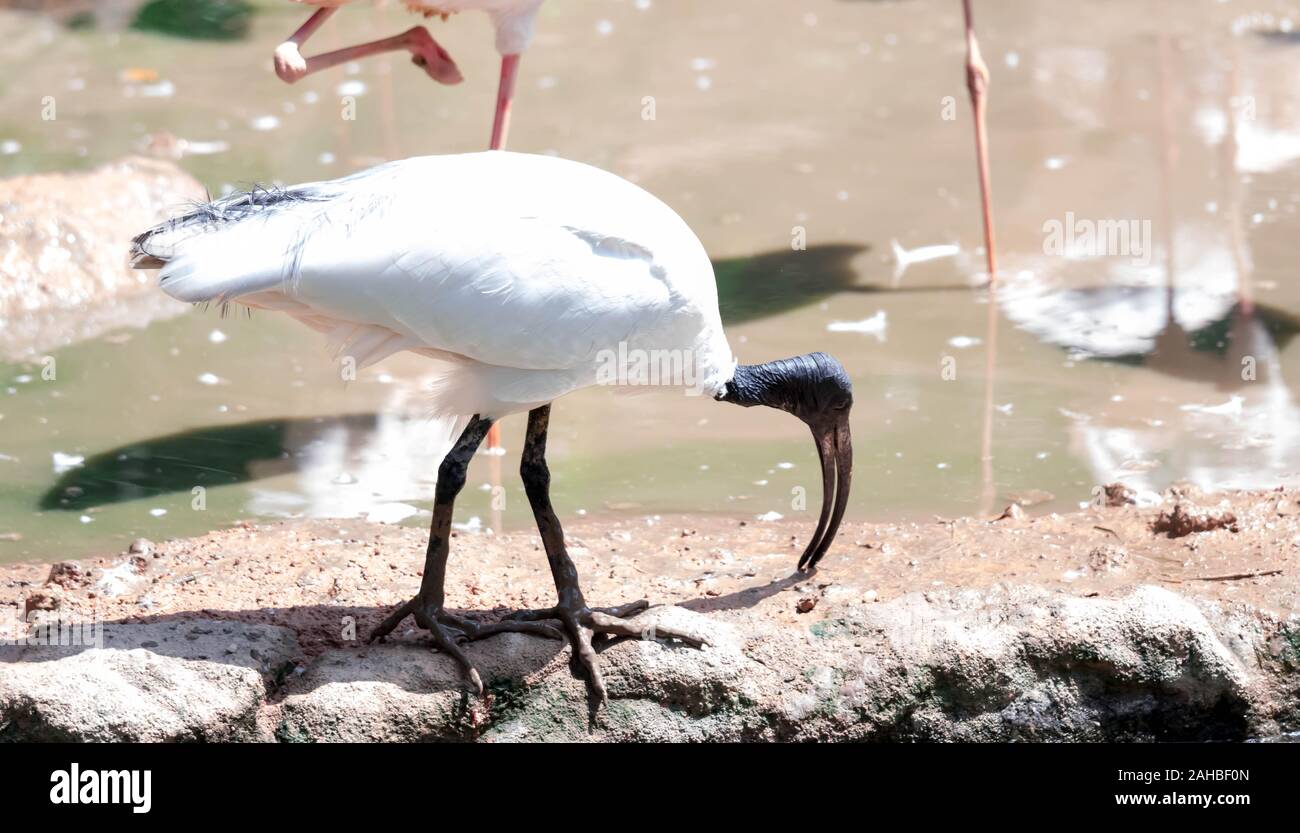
x=582 y=622
x=450 y=631
x=290 y=65
x=429 y=55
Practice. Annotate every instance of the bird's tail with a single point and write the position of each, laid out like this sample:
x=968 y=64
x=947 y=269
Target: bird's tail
x=247 y=242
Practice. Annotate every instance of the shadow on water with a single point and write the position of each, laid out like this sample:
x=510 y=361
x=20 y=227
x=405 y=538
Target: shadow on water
x=210 y=456
x=775 y=282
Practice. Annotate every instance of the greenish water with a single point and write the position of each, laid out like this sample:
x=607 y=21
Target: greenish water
x=839 y=133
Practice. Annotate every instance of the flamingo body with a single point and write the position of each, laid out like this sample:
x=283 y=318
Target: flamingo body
x=514 y=20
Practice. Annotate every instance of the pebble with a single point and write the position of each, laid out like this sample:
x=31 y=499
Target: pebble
x=51 y=599
x=1013 y=512
x=67 y=573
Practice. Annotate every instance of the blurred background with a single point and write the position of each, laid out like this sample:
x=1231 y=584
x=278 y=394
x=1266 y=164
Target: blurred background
x=845 y=122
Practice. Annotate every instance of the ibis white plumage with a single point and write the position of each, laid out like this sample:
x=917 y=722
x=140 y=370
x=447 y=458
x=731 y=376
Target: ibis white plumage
x=518 y=277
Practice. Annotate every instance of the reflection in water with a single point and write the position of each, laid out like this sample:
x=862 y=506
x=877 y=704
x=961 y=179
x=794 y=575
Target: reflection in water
x=1248 y=439
x=1223 y=414
x=346 y=470
x=1124 y=318
x=1219 y=411
x=340 y=467
x=1233 y=400
x=988 y=485
x=208 y=457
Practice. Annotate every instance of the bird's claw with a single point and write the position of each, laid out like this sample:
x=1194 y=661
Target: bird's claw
x=428 y=55
x=289 y=63
x=450 y=631
x=584 y=622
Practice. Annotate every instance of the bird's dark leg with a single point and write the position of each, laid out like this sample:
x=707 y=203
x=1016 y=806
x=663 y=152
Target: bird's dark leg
x=572 y=611
x=427 y=607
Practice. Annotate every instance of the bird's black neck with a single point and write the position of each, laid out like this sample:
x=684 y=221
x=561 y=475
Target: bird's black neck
x=804 y=385
x=767 y=384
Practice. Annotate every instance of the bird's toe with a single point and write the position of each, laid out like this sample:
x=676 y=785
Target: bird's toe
x=289 y=63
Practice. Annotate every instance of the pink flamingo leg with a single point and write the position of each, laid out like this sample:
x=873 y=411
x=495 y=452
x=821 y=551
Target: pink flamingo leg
x=500 y=126
x=290 y=65
x=977 y=82
x=505 y=93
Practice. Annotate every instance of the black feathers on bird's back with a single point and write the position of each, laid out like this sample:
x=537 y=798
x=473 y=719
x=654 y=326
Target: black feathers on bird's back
x=232 y=208
x=241 y=204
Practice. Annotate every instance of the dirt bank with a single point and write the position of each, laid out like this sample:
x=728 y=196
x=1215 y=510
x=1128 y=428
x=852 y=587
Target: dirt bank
x=1175 y=620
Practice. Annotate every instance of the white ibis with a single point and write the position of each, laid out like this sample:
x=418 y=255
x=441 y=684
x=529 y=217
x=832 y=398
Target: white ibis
x=519 y=277
x=514 y=21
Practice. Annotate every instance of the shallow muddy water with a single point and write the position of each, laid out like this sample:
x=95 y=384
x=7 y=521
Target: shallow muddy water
x=1169 y=130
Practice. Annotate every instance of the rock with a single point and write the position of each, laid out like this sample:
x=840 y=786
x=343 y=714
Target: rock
x=141 y=546
x=402 y=693
x=67 y=574
x=1027 y=665
x=63 y=252
x=1107 y=557
x=1033 y=665
x=1184 y=519
x=1119 y=494
x=121 y=579
x=162 y=681
x=1013 y=512
x=992 y=665
x=1031 y=497
x=49 y=598
x=806 y=604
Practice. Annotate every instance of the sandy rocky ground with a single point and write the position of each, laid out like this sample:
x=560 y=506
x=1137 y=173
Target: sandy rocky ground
x=1176 y=621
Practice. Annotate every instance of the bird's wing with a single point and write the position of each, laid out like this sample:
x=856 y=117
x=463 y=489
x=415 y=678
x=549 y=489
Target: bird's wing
x=509 y=261
x=521 y=293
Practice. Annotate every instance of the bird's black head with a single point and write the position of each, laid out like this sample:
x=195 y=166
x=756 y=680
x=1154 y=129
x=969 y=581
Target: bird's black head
x=816 y=389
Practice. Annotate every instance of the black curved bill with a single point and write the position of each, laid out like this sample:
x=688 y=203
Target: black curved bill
x=835 y=450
